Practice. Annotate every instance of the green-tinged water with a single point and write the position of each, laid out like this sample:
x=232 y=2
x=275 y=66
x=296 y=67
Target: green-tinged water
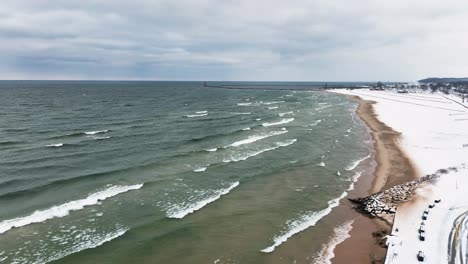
x=171 y=172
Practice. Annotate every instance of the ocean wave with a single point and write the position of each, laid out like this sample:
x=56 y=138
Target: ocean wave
x=244 y=156
x=200 y=169
x=96 y=132
x=285 y=113
x=64 y=209
x=340 y=234
x=241 y=113
x=55 y=145
x=88 y=242
x=180 y=211
x=355 y=163
x=244 y=104
x=354 y=180
x=212 y=149
x=273 y=102
x=252 y=139
x=246 y=129
x=101 y=138
x=201 y=112
x=315 y=123
x=283 y=121
x=302 y=223
x=196 y=115
x=272 y=107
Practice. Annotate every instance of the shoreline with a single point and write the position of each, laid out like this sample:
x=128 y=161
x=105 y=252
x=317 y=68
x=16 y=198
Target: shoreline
x=390 y=159
x=435 y=138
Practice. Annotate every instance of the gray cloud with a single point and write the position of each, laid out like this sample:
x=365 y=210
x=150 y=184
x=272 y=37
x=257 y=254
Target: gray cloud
x=233 y=40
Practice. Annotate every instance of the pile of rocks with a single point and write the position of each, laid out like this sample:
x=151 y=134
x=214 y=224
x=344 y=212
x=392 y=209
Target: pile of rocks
x=385 y=202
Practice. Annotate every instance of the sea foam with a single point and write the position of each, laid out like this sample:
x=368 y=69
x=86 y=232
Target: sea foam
x=96 y=132
x=246 y=155
x=180 y=211
x=283 y=121
x=340 y=234
x=302 y=223
x=309 y=219
x=55 y=145
x=355 y=163
x=64 y=209
x=254 y=138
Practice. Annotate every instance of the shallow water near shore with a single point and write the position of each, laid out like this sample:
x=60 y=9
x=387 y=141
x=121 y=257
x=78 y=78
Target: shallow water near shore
x=171 y=172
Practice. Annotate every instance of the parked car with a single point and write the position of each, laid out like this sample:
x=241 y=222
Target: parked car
x=424 y=216
x=421 y=229
x=421 y=256
x=432 y=205
x=437 y=200
x=422 y=236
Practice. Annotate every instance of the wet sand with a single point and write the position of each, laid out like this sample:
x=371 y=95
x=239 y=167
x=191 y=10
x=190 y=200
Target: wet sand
x=392 y=167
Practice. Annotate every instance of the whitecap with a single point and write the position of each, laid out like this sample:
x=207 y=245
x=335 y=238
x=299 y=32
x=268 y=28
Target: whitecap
x=196 y=115
x=283 y=121
x=340 y=234
x=100 y=138
x=212 y=149
x=258 y=119
x=246 y=129
x=272 y=107
x=180 y=211
x=316 y=122
x=62 y=210
x=244 y=156
x=55 y=145
x=96 y=132
x=88 y=243
x=285 y=113
x=338 y=173
x=355 y=163
x=241 y=113
x=302 y=223
x=201 y=112
x=200 y=169
x=254 y=138
x=244 y=104
x=273 y=102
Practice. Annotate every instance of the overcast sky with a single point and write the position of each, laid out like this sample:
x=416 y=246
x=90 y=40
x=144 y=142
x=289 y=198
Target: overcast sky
x=296 y=40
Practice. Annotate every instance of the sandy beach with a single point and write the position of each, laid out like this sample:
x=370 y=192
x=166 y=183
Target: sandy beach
x=430 y=129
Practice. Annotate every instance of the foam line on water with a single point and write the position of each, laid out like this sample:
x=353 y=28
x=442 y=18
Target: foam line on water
x=302 y=223
x=92 y=242
x=180 y=211
x=96 y=132
x=340 y=234
x=309 y=219
x=244 y=156
x=282 y=121
x=62 y=210
x=355 y=163
x=196 y=115
x=254 y=138
x=55 y=145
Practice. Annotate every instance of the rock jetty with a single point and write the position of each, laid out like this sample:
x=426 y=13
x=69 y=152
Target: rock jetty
x=385 y=202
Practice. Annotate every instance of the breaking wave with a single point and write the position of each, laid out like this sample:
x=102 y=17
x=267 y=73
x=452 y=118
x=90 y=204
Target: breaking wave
x=244 y=156
x=283 y=121
x=340 y=234
x=355 y=163
x=180 y=211
x=302 y=223
x=252 y=139
x=64 y=209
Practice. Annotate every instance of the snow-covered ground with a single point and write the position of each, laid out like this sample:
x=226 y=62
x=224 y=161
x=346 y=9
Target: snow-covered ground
x=434 y=131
